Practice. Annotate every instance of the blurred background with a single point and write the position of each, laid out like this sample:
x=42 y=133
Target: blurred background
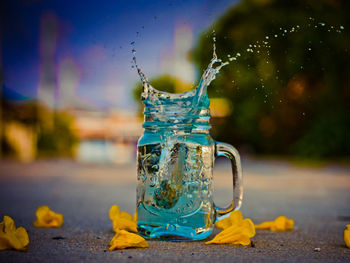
x=68 y=88
x=71 y=115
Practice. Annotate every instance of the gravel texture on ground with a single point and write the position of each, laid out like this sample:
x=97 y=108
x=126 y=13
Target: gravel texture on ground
x=316 y=198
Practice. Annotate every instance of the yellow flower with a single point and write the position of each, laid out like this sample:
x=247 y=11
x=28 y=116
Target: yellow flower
x=124 y=239
x=45 y=217
x=281 y=223
x=347 y=236
x=135 y=217
x=234 y=218
x=12 y=237
x=122 y=220
x=237 y=231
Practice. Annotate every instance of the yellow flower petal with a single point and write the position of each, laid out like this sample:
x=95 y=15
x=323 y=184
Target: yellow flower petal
x=281 y=223
x=122 y=220
x=234 y=218
x=264 y=225
x=135 y=217
x=45 y=217
x=124 y=239
x=347 y=236
x=224 y=223
x=10 y=237
x=124 y=224
x=125 y=215
x=239 y=233
x=113 y=212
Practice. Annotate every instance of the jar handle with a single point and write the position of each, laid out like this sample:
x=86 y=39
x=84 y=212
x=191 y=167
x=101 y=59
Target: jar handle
x=230 y=152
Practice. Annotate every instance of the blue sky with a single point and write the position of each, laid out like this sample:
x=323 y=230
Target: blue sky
x=95 y=36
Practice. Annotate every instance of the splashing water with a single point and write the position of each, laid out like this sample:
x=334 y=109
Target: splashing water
x=170 y=195
x=152 y=95
x=175 y=159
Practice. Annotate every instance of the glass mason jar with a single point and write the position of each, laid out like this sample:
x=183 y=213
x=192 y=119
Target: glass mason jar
x=175 y=157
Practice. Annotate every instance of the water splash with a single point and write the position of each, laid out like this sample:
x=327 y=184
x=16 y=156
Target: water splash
x=262 y=46
x=152 y=95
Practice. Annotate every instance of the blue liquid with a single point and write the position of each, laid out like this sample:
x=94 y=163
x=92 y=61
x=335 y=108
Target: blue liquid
x=175 y=161
x=175 y=200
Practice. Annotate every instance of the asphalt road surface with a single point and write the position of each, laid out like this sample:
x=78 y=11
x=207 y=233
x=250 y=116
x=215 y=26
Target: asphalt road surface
x=318 y=199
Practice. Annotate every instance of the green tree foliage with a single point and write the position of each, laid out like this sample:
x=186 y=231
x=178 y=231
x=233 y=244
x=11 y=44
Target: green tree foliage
x=58 y=141
x=292 y=97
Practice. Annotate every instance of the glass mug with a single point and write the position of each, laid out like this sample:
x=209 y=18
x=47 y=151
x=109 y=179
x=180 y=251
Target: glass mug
x=175 y=157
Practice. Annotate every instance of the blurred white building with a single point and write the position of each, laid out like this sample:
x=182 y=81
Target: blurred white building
x=175 y=61
x=107 y=137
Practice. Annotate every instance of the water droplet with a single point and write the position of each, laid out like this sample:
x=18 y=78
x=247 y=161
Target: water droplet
x=267 y=37
x=322 y=24
x=276 y=35
x=238 y=54
x=303 y=113
x=341 y=27
x=228 y=55
x=310 y=48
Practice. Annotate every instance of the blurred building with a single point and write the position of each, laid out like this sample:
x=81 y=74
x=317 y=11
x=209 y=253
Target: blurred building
x=175 y=61
x=107 y=137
